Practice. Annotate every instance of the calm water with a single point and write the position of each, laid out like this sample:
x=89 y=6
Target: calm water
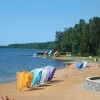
x=13 y=60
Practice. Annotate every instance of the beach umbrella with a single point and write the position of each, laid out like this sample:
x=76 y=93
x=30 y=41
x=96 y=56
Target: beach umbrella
x=46 y=52
x=45 y=74
x=37 y=77
x=51 y=72
x=50 y=52
x=85 y=63
x=56 y=52
x=23 y=79
x=79 y=65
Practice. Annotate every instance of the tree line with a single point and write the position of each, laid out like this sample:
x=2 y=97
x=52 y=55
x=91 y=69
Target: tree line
x=82 y=39
x=42 y=45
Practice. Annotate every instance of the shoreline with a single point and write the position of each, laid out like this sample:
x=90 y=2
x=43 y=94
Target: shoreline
x=76 y=58
x=64 y=65
x=66 y=85
x=14 y=80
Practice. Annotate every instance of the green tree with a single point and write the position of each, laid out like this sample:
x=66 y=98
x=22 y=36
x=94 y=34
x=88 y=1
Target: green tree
x=95 y=35
x=58 y=40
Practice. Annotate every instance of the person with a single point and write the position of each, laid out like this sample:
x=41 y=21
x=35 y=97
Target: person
x=7 y=98
x=2 y=98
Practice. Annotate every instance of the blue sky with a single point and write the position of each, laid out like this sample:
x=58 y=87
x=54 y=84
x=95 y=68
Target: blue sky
x=27 y=21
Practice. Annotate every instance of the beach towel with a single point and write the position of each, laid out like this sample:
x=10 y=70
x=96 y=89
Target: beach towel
x=23 y=79
x=37 y=77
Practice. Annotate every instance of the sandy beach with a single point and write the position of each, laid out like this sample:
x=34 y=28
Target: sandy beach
x=67 y=84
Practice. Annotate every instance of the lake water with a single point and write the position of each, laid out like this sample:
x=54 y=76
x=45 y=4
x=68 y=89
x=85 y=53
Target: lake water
x=13 y=60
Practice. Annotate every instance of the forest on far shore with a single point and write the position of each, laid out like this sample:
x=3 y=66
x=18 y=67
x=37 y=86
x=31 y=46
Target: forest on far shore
x=83 y=39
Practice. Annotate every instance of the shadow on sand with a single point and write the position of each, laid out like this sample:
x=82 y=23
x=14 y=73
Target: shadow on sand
x=55 y=81
x=35 y=88
x=42 y=86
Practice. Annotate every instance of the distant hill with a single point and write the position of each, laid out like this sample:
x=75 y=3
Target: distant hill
x=40 y=45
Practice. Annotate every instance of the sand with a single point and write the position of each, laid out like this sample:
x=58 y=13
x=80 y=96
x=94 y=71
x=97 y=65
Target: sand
x=67 y=84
